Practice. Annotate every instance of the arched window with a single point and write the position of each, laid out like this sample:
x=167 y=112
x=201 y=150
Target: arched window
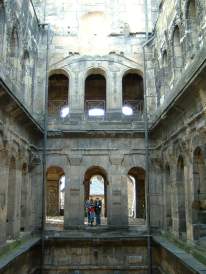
x=192 y=25
x=27 y=78
x=177 y=52
x=2 y=25
x=95 y=94
x=58 y=94
x=164 y=77
x=13 y=52
x=132 y=94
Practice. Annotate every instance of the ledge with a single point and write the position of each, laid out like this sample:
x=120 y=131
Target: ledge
x=11 y=255
x=187 y=259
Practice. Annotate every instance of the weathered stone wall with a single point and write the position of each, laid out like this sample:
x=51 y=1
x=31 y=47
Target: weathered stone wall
x=27 y=261
x=20 y=172
x=108 y=256
x=20 y=53
x=178 y=36
x=116 y=156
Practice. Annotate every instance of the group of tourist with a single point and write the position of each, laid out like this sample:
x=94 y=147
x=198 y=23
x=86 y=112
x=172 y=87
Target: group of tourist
x=93 y=210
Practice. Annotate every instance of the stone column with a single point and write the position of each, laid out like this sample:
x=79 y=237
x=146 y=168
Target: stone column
x=174 y=198
x=189 y=197
x=156 y=193
x=74 y=194
x=36 y=194
x=117 y=204
x=17 y=220
x=4 y=173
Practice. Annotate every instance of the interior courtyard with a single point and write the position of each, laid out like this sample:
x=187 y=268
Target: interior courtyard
x=102 y=137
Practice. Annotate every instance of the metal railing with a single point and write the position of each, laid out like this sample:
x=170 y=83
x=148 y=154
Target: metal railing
x=55 y=107
x=137 y=106
x=95 y=105
x=95 y=110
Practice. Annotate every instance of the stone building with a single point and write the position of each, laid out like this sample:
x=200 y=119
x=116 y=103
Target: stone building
x=112 y=89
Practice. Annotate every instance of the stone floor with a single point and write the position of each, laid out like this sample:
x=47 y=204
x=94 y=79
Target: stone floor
x=57 y=222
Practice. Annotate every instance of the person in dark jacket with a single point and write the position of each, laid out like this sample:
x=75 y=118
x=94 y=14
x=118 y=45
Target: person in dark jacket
x=98 y=209
x=91 y=210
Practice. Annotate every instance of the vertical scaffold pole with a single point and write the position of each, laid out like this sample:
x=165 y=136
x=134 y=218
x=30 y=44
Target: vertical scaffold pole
x=146 y=136
x=44 y=156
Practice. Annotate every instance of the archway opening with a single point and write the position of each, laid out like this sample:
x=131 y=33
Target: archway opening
x=11 y=200
x=199 y=203
x=55 y=192
x=95 y=95
x=95 y=185
x=58 y=88
x=192 y=24
x=136 y=194
x=181 y=198
x=132 y=94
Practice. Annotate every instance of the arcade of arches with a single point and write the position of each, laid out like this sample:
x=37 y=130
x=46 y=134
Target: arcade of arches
x=96 y=185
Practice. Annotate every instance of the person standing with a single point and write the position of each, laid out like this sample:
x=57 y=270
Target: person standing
x=98 y=209
x=91 y=211
x=87 y=204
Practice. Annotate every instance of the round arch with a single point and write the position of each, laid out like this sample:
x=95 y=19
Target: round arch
x=132 y=92
x=138 y=175
x=89 y=174
x=95 y=92
x=58 y=93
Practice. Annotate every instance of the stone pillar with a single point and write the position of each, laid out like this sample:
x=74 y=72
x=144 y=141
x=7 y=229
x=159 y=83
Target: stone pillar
x=17 y=220
x=28 y=203
x=174 y=199
x=189 y=198
x=117 y=202
x=114 y=94
x=4 y=173
x=76 y=95
x=36 y=195
x=74 y=194
x=156 y=193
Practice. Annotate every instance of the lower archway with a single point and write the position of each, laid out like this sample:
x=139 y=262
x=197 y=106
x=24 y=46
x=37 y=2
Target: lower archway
x=95 y=186
x=136 y=194
x=55 y=191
